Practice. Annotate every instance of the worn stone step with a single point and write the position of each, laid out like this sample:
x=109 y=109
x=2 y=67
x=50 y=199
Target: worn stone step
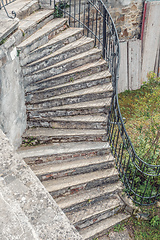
x=23 y=8
x=79 y=46
x=64 y=66
x=7 y=26
x=69 y=76
x=62 y=151
x=89 y=81
x=80 y=198
x=72 y=167
x=94 y=210
x=102 y=227
x=82 y=108
x=69 y=35
x=93 y=93
x=46 y=135
x=35 y=21
x=71 y=122
x=42 y=36
x=69 y=184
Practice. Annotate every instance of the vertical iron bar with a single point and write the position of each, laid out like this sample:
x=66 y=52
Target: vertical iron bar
x=92 y=22
x=69 y=12
x=88 y=18
x=144 y=190
x=74 y=11
x=104 y=31
x=79 y=12
x=84 y=17
x=96 y=28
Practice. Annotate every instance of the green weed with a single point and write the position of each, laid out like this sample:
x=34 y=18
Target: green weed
x=58 y=10
x=3 y=41
x=119 y=227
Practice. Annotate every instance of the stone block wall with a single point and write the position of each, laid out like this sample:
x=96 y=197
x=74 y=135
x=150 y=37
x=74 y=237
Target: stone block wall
x=127 y=16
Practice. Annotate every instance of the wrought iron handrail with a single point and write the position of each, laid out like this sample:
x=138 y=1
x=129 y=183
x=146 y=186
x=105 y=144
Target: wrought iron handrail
x=3 y=4
x=139 y=178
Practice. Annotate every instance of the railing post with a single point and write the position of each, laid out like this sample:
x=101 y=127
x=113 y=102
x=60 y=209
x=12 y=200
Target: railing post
x=104 y=31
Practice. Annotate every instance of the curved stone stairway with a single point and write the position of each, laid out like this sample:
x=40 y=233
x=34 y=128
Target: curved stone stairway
x=68 y=91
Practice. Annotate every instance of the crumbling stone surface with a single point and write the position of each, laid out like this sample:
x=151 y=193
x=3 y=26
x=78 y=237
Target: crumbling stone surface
x=27 y=211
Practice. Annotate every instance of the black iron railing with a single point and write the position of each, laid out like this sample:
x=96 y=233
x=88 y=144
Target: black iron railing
x=141 y=180
x=3 y=4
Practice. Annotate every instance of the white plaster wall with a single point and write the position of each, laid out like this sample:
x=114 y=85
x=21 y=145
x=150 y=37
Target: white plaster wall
x=12 y=100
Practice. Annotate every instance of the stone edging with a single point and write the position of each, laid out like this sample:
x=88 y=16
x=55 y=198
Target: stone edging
x=27 y=209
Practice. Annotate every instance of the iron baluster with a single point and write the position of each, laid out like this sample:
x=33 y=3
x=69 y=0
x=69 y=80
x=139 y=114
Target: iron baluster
x=104 y=31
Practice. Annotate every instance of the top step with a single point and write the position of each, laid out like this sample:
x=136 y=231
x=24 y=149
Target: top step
x=43 y=35
x=35 y=21
x=23 y=8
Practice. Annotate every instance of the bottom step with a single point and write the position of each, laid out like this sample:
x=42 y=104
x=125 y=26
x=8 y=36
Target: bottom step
x=103 y=226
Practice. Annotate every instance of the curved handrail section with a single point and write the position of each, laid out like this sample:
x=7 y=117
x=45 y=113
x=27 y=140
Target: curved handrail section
x=3 y=4
x=141 y=180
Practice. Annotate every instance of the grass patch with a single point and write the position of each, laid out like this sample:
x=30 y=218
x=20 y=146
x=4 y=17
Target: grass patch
x=140 y=229
x=149 y=229
x=141 y=108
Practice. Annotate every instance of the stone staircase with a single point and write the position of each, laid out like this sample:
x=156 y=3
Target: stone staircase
x=68 y=92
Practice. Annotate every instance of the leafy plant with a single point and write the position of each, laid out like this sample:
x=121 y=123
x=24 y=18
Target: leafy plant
x=155 y=221
x=119 y=227
x=58 y=10
x=3 y=41
x=30 y=141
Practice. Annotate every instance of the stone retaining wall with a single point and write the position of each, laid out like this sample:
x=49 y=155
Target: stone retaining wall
x=12 y=100
x=127 y=16
x=27 y=210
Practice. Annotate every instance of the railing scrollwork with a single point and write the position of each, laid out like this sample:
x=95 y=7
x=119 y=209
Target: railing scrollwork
x=3 y=5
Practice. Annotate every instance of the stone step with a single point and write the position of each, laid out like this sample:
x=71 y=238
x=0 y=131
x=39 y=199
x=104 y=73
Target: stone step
x=64 y=66
x=62 y=151
x=42 y=36
x=79 y=199
x=23 y=8
x=69 y=184
x=94 y=210
x=35 y=21
x=102 y=227
x=69 y=76
x=72 y=167
x=79 y=46
x=69 y=35
x=7 y=26
x=82 y=108
x=93 y=93
x=89 y=81
x=46 y=135
x=71 y=122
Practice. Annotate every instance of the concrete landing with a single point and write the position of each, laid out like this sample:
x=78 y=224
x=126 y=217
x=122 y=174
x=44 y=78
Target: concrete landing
x=27 y=211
